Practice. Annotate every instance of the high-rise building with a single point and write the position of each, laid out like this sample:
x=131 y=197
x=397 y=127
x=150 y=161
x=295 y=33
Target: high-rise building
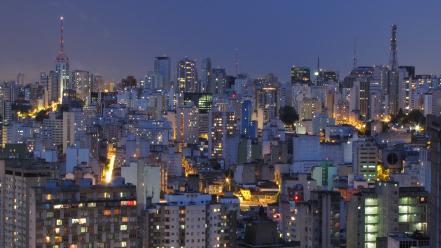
x=187 y=124
x=187 y=76
x=319 y=221
x=81 y=82
x=301 y=75
x=53 y=87
x=163 y=67
x=374 y=213
x=191 y=220
x=17 y=203
x=153 y=80
x=69 y=215
x=206 y=76
x=221 y=125
x=218 y=82
x=325 y=77
x=433 y=127
x=248 y=126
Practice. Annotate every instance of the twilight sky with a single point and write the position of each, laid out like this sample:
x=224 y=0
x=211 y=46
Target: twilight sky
x=117 y=38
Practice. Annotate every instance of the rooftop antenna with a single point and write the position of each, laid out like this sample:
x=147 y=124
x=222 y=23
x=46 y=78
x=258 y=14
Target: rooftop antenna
x=236 y=60
x=61 y=34
x=355 y=54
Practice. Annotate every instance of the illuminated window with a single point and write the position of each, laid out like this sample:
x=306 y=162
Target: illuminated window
x=107 y=212
x=59 y=222
x=123 y=228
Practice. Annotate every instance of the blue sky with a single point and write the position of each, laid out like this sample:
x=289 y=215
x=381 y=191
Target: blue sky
x=119 y=38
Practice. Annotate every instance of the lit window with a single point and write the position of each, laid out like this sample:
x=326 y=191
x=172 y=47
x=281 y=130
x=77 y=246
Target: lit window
x=123 y=228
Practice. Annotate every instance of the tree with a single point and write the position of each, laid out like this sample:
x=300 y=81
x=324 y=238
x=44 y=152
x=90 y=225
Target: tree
x=415 y=117
x=288 y=115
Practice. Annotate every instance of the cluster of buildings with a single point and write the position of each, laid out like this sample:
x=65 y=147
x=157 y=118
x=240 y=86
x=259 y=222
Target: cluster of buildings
x=192 y=156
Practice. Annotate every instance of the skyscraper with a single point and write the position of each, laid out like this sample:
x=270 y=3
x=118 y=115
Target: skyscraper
x=62 y=64
x=434 y=130
x=300 y=75
x=163 y=67
x=187 y=76
x=206 y=78
x=81 y=82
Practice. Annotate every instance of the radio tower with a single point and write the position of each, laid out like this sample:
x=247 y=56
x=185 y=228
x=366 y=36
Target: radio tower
x=355 y=54
x=61 y=35
x=61 y=69
x=393 y=84
x=393 y=49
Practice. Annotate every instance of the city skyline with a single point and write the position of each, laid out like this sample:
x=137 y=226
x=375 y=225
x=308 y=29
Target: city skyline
x=126 y=46
x=140 y=124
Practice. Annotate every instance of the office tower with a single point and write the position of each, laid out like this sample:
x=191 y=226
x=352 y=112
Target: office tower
x=393 y=77
x=219 y=81
x=376 y=109
x=204 y=103
x=206 y=76
x=248 y=126
x=375 y=213
x=18 y=213
x=70 y=215
x=300 y=75
x=266 y=99
x=327 y=77
x=154 y=81
x=191 y=220
x=163 y=67
x=62 y=65
x=365 y=159
x=81 y=82
x=433 y=127
x=187 y=76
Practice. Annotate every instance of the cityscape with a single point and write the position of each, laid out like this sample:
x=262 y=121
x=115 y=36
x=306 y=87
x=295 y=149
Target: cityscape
x=194 y=154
